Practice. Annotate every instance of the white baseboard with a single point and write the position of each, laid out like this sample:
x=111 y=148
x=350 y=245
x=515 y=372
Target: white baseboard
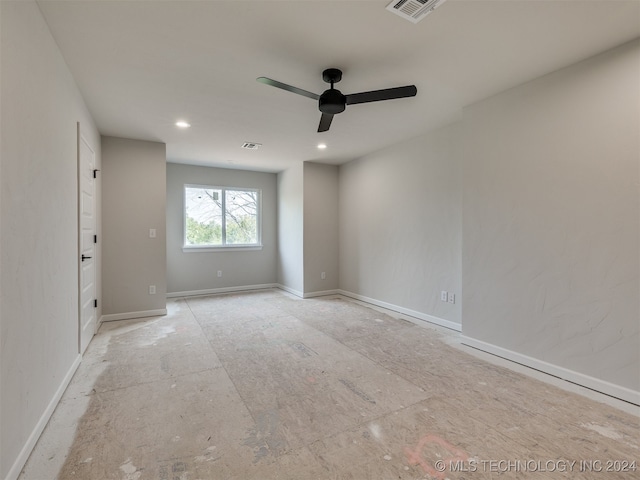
x=112 y=317
x=297 y=293
x=321 y=293
x=572 y=376
x=213 y=291
x=405 y=311
x=20 y=462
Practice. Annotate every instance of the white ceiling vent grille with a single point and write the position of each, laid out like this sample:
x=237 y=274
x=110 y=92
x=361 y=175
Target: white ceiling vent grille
x=414 y=10
x=251 y=145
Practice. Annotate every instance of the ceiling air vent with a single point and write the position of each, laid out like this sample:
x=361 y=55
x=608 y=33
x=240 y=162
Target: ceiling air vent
x=251 y=145
x=414 y=10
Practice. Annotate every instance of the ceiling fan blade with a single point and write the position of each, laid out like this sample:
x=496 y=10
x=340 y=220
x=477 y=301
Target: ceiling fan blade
x=378 y=95
x=325 y=122
x=288 y=88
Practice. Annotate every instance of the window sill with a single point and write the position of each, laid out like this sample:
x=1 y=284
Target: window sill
x=230 y=248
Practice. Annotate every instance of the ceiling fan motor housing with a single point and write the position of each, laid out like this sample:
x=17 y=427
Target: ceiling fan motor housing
x=332 y=101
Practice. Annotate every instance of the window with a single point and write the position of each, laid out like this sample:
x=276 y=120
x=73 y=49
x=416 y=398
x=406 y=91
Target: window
x=220 y=217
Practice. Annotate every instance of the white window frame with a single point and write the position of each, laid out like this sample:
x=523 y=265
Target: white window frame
x=224 y=247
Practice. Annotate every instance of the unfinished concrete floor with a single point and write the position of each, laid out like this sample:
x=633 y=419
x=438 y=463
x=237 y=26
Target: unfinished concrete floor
x=265 y=386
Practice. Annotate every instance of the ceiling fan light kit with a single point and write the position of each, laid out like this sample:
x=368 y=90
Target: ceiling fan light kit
x=333 y=101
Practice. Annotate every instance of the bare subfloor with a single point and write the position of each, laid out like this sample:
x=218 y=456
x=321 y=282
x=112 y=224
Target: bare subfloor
x=266 y=386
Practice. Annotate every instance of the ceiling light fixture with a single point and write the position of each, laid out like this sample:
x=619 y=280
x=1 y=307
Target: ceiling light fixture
x=182 y=124
x=322 y=146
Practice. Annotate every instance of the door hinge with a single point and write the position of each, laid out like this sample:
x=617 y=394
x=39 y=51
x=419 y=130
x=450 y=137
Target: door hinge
x=95 y=239
x=95 y=303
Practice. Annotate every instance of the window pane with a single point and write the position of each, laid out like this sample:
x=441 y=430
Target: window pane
x=203 y=211
x=241 y=217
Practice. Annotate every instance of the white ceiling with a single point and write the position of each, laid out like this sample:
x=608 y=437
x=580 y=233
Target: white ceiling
x=141 y=66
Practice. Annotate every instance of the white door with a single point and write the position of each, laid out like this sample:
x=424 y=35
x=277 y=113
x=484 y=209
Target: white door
x=87 y=241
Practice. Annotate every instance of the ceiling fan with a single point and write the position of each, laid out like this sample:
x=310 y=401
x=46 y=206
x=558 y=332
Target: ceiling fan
x=332 y=101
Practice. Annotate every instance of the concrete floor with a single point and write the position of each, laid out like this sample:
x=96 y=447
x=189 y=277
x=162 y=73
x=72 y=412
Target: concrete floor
x=263 y=385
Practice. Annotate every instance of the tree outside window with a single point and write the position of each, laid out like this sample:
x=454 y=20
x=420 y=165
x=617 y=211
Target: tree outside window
x=219 y=216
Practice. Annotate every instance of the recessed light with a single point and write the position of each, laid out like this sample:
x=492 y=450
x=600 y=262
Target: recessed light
x=322 y=146
x=182 y=124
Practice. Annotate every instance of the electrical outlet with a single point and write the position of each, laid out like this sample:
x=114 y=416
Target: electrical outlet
x=152 y=289
x=219 y=273
x=452 y=297
x=152 y=233
x=323 y=276
x=443 y=296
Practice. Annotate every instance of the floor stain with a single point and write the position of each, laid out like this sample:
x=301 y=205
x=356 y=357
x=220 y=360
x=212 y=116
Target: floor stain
x=302 y=350
x=264 y=437
x=434 y=446
x=130 y=471
x=174 y=471
x=358 y=392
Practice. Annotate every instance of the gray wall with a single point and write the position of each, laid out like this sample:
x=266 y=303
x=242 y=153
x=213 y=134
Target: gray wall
x=528 y=208
x=290 y=229
x=197 y=271
x=134 y=201
x=320 y=227
x=400 y=227
x=41 y=106
x=551 y=209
